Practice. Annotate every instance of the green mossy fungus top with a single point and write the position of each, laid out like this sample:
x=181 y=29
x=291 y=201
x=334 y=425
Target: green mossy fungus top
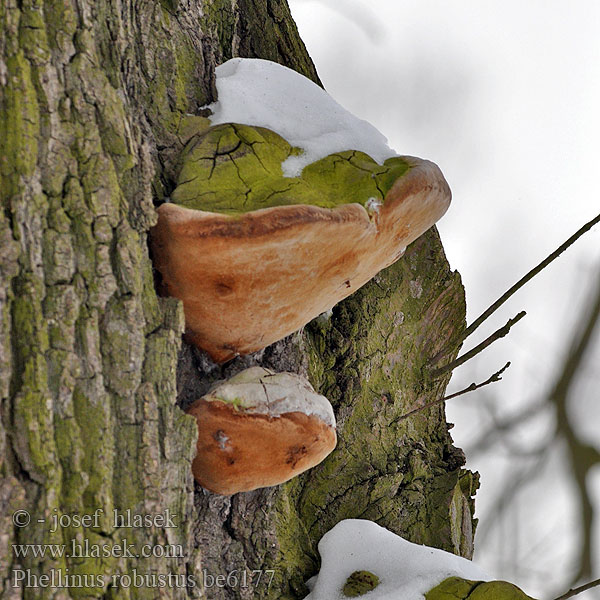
x=456 y=588
x=234 y=169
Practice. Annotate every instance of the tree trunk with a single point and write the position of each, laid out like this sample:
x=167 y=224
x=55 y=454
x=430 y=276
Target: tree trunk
x=91 y=101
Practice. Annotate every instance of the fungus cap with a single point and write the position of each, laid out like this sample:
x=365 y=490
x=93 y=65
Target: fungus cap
x=248 y=279
x=260 y=429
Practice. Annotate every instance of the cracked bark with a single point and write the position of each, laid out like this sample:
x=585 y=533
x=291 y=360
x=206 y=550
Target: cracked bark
x=91 y=97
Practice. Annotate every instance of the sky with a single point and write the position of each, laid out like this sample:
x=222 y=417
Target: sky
x=504 y=97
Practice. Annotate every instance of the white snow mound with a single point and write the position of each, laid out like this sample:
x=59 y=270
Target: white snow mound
x=406 y=571
x=262 y=93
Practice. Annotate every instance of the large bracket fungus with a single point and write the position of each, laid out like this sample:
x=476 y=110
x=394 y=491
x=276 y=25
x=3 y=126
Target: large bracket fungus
x=259 y=429
x=256 y=248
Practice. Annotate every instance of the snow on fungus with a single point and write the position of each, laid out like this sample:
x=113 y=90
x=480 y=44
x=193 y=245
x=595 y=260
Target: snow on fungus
x=266 y=94
x=253 y=254
x=260 y=429
x=406 y=571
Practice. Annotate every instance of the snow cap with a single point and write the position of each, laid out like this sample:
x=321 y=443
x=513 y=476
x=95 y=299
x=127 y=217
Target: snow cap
x=266 y=94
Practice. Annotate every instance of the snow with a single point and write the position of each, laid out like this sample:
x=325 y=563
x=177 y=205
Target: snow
x=262 y=391
x=406 y=571
x=262 y=93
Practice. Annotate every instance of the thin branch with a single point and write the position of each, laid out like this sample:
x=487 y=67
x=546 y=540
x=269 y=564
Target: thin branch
x=578 y=590
x=500 y=333
x=471 y=388
x=526 y=278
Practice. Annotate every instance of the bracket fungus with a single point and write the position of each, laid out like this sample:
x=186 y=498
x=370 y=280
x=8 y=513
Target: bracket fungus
x=260 y=429
x=255 y=247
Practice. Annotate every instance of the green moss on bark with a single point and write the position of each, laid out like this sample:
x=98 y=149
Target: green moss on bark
x=19 y=126
x=88 y=352
x=219 y=18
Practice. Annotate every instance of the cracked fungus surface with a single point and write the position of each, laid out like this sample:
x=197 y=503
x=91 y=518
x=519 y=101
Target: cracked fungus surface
x=234 y=169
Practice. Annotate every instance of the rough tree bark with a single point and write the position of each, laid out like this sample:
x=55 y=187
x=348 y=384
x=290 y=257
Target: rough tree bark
x=92 y=96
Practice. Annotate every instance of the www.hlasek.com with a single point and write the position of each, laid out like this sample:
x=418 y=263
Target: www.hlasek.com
x=84 y=548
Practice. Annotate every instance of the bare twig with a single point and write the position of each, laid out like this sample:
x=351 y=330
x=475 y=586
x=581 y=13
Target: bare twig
x=526 y=278
x=578 y=590
x=500 y=333
x=471 y=388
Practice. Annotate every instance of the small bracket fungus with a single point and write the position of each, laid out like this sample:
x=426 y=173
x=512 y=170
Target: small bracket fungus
x=259 y=429
x=255 y=249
